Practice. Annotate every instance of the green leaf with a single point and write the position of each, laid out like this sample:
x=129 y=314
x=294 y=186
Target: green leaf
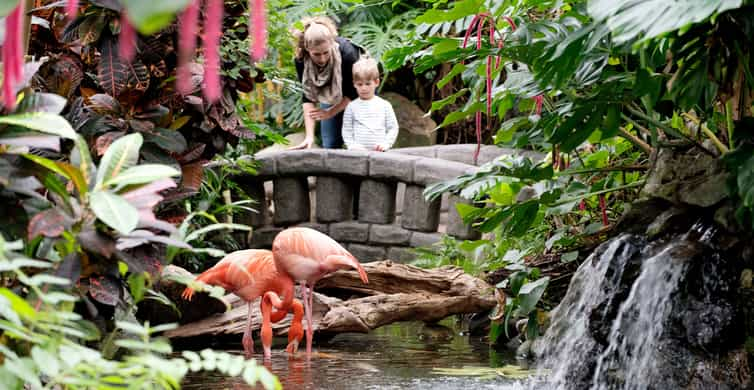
x=439 y=104
x=569 y=256
x=121 y=155
x=6 y=6
x=81 y=158
x=42 y=121
x=114 y=211
x=46 y=361
x=20 y=306
x=133 y=328
x=647 y=19
x=460 y=9
x=150 y=16
x=137 y=285
x=529 y=295
x=140 y=174
x=215 y=226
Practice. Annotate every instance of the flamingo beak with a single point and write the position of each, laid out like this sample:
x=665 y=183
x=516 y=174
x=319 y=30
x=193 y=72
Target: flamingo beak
x=345 y=262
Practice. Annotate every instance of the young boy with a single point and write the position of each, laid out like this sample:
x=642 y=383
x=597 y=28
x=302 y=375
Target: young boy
x=369 y=122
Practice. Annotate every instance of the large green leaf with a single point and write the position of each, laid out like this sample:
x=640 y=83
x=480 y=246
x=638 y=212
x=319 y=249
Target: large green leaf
x=42 y=121
x=6 y=6
x=149 y=16
x=121 y=155
x=140 y=174
x=529 y=295
x=81 y=158
x=114 y=211
x=630 y=19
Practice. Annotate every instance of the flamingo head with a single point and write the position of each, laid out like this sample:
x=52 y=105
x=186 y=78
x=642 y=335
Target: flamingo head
x=337 y=262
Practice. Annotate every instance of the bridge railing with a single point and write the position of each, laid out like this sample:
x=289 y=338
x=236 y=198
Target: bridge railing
x=356 y=197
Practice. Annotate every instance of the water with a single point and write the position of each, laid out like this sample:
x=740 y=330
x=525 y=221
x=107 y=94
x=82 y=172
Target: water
x=610 y=328
x=397 y=356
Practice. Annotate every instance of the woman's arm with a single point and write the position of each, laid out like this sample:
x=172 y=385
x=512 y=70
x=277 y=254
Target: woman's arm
x=309 y=124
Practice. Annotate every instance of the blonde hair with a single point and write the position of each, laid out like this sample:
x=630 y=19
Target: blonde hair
x=317 y=30
x=365 y=69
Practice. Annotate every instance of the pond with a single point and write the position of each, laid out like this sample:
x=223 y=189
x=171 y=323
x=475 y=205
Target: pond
x=408 y=355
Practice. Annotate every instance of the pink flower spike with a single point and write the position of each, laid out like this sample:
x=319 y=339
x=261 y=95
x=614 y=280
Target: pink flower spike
x=13 y=56
x=188 y=23
x=212 y=34
x=510 y=22
x=127 y=39
x=71 y=8
x=538 y=99
x=259 y=29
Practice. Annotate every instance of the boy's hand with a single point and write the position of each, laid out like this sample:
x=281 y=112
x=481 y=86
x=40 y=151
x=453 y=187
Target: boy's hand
x=381 y=148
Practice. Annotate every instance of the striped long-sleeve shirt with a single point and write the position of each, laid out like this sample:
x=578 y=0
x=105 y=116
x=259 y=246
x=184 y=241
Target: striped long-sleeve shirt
x=368 y=123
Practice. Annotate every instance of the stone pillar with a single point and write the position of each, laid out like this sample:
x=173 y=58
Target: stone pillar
x=419 y=214
x=255 y=190
x=367 y=253
x=334 y=199
x=401 y=254
x=377 y=201
x=262 y=238
x=291 y=198
x=455 y=226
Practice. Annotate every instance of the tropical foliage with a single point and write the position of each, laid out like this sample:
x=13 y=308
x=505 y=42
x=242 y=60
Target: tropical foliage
x=597 y=88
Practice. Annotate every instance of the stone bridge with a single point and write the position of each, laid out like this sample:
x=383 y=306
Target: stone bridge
x=370 y=202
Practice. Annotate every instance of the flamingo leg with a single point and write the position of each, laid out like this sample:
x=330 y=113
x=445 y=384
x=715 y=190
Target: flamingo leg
x=247 y=340
x=310 y=335
x=266 y=332
x=296 y=330
x=307 y=313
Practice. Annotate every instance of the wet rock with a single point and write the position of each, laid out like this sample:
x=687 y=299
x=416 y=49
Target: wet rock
x=687 y=178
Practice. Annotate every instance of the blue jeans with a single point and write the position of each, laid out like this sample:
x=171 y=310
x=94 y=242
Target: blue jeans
x=331 y=130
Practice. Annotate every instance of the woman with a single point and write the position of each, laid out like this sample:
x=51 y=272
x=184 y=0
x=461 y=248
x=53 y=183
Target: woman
x=324 y=65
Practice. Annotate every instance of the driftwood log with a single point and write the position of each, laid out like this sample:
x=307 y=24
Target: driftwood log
x=396 y=292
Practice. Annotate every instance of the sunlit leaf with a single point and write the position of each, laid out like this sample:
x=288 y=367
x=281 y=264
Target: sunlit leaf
x=115 y=211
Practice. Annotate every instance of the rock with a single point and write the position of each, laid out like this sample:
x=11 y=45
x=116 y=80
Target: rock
x=415 y=128
x=690 y=178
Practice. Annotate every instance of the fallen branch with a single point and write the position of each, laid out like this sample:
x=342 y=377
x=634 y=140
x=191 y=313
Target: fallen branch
x=396 y=292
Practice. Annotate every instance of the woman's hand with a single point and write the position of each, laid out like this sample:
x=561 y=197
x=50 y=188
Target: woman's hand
x=305 y=144
x=319 y=114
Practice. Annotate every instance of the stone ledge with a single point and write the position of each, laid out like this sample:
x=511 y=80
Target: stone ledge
x=429 y=171
x=300 y=162
x=347 y=162
x=392 y=166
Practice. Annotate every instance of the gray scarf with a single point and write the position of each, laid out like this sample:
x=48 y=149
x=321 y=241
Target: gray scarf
x=324 y=83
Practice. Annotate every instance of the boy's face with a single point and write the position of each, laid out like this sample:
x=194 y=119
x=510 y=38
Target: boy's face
x=365 y=88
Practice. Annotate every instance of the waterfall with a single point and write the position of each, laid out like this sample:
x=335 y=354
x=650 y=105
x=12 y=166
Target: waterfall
x=609 y=327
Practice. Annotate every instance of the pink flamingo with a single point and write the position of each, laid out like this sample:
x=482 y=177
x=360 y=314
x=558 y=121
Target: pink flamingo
x=307 y=255
x=250 y=274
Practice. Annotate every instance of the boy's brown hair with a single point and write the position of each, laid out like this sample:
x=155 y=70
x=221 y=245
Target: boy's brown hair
x=365 y=69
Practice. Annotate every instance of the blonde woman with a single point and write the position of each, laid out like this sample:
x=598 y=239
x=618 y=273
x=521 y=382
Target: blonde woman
x=324 y=63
